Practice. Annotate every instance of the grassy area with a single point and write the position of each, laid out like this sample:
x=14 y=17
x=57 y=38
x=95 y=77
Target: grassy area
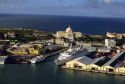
x=24 y=35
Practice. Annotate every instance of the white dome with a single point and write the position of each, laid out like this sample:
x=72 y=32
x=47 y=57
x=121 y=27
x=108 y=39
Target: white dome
x=68 y=30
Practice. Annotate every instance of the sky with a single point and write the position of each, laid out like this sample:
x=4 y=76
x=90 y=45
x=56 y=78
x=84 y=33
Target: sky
x=97 y=8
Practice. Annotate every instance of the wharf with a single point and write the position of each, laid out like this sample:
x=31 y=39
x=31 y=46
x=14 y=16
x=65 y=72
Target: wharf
x=25 y=59
x=87 y=70
x=111 y=66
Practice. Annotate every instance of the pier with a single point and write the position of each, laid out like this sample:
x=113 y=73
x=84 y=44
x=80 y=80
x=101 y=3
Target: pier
x=111 y=66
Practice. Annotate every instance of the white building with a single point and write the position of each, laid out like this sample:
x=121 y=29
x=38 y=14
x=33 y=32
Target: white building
x=106 y=50
x=68 y=34
x=110 y=42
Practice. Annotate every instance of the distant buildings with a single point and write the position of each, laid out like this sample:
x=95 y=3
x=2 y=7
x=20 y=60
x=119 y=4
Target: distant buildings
x=67 y=36
x=104 y=50
x=110 y=43
x=85 y=44
x=24 y=51
x=115 y=35
x=123 y=46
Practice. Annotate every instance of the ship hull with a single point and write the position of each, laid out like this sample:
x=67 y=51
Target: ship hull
x=38 y=60
x=62 y=62
x=3 y=59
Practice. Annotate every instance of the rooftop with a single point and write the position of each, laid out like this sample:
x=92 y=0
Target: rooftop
x=113 y=59
x=87 y=60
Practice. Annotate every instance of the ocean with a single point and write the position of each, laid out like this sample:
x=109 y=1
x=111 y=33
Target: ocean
x=51 y=23
x=47 y=72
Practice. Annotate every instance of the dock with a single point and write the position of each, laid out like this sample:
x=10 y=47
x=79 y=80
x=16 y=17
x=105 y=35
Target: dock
x=111 y=66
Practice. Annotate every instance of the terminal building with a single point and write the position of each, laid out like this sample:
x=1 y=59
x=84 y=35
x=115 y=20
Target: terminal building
x=114 y=65
x=67 y=36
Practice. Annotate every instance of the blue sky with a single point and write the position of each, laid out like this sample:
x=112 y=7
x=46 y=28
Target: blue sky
x=98 y=8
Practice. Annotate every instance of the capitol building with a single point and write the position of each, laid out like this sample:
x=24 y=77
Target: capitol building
x=67 y=36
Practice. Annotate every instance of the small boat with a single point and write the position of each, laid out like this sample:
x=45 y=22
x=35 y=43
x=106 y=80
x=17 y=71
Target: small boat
x=3 y=59
x=37 y=59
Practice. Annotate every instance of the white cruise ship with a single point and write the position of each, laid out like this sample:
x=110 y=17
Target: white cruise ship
x=37 y=59
x=70 y=54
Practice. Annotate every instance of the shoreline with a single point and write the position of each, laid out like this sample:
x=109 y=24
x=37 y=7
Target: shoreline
x=93 y=71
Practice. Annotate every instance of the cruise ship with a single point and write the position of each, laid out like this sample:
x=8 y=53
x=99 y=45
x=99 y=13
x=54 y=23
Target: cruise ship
x=70 y=54
x=37 y=59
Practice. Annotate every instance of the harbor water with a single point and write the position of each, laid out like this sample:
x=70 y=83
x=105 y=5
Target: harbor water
x=47 y=72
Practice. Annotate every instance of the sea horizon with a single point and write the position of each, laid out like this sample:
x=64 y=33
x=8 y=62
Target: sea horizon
x=53 y=23
x=47 y=71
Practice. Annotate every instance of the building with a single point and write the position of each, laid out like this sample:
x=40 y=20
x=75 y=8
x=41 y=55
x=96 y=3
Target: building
x=111 y=35
x=24 y=51
x=109 y=67
x=104 y=50
x=123 y=46
x=94 y=65
x=67 y=36
x=84 y=63
x=110 y=43
x=25 y=45
x=114 y=65
x=11 y=34
x=120 y=70
x=86 y=45
x=115 y=35
x=79 y=63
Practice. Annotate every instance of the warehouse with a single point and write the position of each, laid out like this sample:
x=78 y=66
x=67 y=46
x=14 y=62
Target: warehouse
x=120 y=68
x=79 y=63
x=84 y=63
x=94 y=66
x=109 y=67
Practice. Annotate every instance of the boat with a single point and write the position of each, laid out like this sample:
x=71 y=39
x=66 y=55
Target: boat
x=37 y=59
x=3 y=59
x=70 y=54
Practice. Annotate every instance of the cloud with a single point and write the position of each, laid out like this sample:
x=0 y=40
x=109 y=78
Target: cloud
x=65 y=7
x=108 y=1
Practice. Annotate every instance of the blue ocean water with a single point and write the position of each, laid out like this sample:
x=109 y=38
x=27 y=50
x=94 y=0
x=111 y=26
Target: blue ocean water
x=87 y=25
x=47 y=72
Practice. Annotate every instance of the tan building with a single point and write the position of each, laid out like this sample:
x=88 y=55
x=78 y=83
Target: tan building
x=79 y=63
x=111 y=35
x=67 y=35
x=84 y=63
x=120 y=70
x=24 y=51
x=115 y=35
x=109 y=67
x=101 y=64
